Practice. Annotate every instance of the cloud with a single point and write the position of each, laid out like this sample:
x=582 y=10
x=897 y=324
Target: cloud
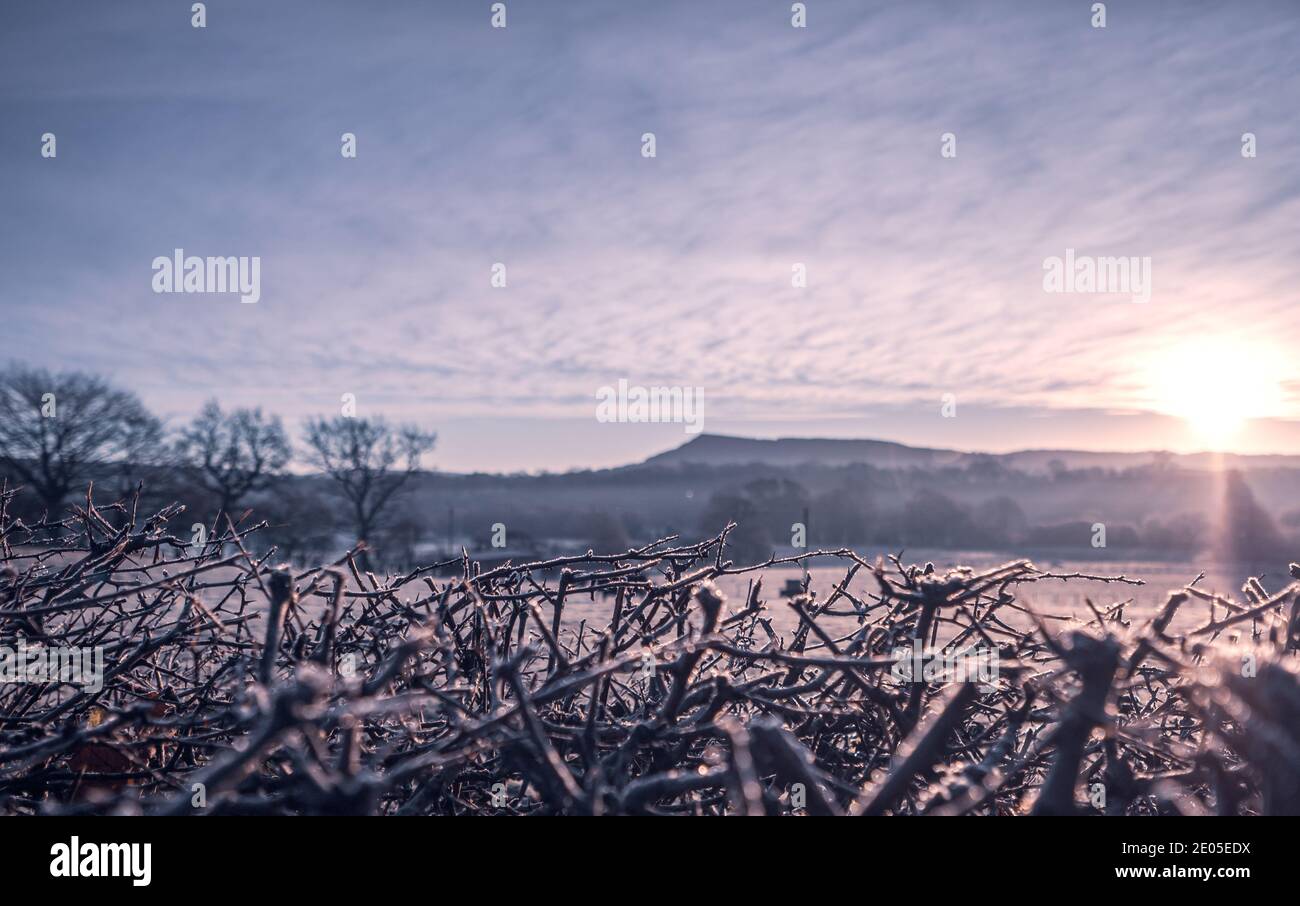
x=775 y=146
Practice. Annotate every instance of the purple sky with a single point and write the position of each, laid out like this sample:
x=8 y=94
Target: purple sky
x=775 y=145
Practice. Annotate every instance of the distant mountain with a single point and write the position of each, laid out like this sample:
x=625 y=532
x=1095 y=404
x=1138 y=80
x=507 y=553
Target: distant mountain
x=723 y=450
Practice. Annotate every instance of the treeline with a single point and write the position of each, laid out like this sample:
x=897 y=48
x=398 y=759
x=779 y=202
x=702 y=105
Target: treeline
x=61 y=431
x=767 y=510
x=351 y=477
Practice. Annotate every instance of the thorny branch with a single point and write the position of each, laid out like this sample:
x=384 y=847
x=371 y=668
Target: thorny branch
x=233 y=685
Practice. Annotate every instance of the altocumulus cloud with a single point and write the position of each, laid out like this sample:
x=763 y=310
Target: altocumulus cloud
x=775 y=146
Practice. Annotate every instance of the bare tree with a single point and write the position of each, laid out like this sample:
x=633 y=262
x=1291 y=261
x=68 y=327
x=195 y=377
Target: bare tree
x=60 y=430
x=235 y=453
x=370 y=459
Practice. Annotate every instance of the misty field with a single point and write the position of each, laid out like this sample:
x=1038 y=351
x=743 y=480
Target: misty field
x=663 y=679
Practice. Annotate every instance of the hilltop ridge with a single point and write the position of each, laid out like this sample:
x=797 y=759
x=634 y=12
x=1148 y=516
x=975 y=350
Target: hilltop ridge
x=725 y=450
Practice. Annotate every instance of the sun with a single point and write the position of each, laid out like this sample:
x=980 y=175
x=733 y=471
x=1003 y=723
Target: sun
x=1216 y=386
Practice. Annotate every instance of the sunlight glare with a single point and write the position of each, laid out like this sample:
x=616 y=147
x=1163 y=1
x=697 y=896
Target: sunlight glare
x=1216 y=386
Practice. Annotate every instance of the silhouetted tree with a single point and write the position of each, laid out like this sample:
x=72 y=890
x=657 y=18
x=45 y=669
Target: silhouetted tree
x=749 y=542
x=369 y=459
x=301 y=521
x=841 y=516
x=60 y=430
x=1000 y=522
x=934 y=519
x=779 y=502
x=1249 y=533
x=234 y=454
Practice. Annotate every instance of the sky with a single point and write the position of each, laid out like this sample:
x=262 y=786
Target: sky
x=924 y=318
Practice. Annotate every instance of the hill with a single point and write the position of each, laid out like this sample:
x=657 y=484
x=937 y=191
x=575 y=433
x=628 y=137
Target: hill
x=724 y=450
